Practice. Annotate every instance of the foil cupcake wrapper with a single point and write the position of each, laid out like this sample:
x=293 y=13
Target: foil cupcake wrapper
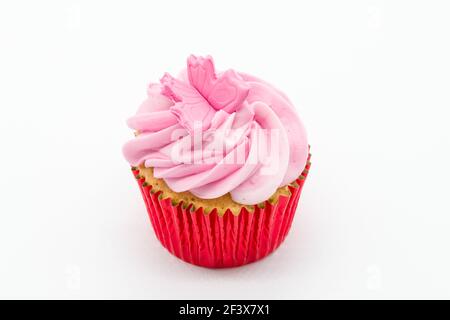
x=221 y=241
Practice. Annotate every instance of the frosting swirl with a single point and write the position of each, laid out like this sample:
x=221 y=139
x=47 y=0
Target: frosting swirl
x=211 y=134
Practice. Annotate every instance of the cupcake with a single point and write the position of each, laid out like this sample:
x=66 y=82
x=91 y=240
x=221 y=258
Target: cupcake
x=220 y=159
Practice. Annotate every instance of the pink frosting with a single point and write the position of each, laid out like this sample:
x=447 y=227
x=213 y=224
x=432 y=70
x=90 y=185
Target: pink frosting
x=211 y=134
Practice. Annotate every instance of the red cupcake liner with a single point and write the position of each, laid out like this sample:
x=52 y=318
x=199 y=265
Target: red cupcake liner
x=214 y=241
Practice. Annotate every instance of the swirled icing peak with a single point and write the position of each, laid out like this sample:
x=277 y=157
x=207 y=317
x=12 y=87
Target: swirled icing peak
x=213 y=133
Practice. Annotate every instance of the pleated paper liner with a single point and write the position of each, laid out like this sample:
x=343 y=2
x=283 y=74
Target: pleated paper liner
x=216 y=240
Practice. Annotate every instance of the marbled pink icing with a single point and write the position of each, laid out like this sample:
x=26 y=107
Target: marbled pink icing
x=182 y=121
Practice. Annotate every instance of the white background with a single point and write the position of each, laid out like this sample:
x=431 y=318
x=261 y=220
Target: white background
x=370 y=79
